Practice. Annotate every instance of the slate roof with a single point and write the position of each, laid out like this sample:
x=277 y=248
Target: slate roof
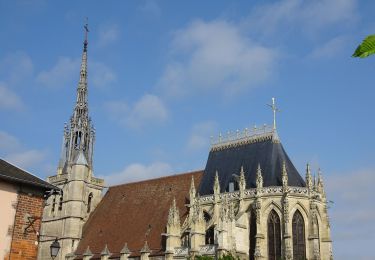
x=268 y=153
x=11 y=173
x=134 y=213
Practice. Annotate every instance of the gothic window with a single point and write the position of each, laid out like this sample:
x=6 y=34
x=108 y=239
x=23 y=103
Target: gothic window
x=274 y=236
x=298 y=228
x=210 y=236
x=89 y=200
x=253 y=232
x=61 y=203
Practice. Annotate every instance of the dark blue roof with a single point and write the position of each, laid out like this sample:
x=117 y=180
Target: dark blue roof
x=228 y=161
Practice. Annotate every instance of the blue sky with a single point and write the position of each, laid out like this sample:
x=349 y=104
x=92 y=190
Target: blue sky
x=166 y=75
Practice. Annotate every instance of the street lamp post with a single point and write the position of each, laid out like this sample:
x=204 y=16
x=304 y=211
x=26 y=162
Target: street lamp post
x=55 y=247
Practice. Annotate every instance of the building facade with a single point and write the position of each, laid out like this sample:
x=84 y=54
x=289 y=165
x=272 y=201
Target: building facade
x=249 y=201
x=21 y=200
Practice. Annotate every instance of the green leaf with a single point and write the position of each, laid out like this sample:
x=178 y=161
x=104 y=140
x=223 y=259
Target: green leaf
x=366 y=48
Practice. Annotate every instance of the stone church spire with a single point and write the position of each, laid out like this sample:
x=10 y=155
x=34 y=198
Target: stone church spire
x=79 y=135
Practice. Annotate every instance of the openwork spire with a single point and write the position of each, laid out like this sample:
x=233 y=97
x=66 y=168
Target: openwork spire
x=79 y=135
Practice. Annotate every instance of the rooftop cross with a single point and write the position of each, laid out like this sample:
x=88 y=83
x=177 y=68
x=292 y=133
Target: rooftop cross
x=86 y=27
x=274 y=109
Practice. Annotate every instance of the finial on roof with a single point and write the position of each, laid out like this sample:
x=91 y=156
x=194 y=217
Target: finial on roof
x=320 y=183
x=105 y=251
x=259 y=177
x=242 y=182
x=309 y=182
x=216 y=183
x=192 y=191
x=145 y=248
x=284 y=175
x=274 y=109
x=87 y=252
x=125 y=250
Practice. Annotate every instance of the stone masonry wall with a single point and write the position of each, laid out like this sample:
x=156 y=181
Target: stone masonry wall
x=23 y=245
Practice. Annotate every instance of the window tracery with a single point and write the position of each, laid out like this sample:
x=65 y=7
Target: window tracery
x=274 y=236
x=298 y=229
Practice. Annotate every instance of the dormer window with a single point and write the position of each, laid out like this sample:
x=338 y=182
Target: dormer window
x=231 y=187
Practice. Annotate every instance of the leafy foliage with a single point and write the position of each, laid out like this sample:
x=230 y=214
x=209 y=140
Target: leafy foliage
x=366 y=48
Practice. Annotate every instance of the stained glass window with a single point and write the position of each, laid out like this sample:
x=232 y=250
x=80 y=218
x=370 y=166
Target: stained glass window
x=274 y=236
x=299 y=245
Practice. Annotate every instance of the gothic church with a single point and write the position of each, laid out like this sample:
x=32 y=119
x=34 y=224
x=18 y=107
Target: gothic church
x=249 y=201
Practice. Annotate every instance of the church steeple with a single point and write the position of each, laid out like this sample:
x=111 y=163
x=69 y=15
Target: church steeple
x=79 y=135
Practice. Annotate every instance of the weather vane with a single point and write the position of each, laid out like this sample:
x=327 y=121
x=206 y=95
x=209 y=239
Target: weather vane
x=274 y=109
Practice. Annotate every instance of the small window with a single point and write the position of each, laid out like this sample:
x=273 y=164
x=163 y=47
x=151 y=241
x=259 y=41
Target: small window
x=89 y=200
x=185 y=240
x=61 y=203
x=53 y=204
x=210 y=236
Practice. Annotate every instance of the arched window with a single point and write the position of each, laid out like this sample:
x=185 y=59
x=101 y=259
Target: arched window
x=210 y=236
x=89 y=202
x=253 y=232
x=298 y=229
x=274 y=236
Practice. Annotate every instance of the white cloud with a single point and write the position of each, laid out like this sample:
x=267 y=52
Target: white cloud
x=304 y=16
x=137 y=172
x=12 y=150
x=352 y=213
x=15 y=67
x=9 y=99
x=150 y=8
x=26 y=159
x=108 y=34
x=101 y=75
x=200 y=135
x=66 y=72
x=8 y=142
x=61 y=74
x=150 y=109
x=215 y=57
x=330 y=48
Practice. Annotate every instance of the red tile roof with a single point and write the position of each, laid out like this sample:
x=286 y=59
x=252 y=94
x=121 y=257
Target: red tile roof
x=135 y=212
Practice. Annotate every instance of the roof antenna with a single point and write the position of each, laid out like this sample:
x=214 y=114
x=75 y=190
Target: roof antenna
x=274 y=109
